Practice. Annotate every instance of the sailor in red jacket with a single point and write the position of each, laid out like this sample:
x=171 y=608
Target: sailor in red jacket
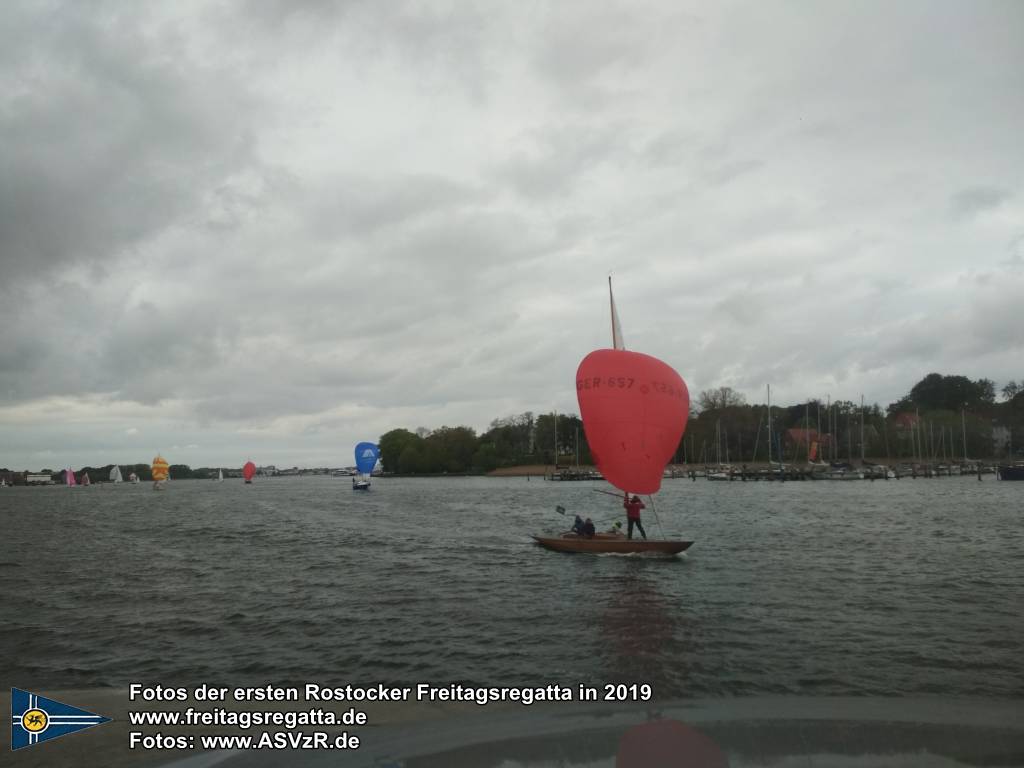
x=633 y=507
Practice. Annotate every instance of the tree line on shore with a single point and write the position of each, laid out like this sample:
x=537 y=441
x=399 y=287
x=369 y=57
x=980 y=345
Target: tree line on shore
x=941 y=418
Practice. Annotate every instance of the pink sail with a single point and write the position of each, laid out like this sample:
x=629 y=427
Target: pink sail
x=69 y=477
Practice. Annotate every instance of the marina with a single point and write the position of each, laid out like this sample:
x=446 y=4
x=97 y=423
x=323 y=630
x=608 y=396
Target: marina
x=818 y=473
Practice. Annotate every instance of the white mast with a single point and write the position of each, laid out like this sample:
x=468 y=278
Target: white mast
x=862 y=430
x=556 y=441
x=617 y=340
x=963 y=425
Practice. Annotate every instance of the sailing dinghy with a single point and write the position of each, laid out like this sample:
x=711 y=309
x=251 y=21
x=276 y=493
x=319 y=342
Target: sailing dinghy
x=634 y=409
x=115 y=474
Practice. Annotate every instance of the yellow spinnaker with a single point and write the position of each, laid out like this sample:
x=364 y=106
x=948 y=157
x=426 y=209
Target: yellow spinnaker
x=160 y=468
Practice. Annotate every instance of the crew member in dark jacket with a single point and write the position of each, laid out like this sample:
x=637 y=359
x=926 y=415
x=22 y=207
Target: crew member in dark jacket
x=588 y=529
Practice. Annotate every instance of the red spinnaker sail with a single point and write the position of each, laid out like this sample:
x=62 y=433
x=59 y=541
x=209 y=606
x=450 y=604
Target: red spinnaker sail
x=634 y=409
x=249 y=470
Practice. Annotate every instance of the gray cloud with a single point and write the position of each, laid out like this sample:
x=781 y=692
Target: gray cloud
x=274 y=230
x=111 y=132
x=973 y=200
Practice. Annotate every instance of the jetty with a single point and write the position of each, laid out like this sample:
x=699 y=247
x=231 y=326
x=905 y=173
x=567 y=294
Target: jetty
x=758 y=472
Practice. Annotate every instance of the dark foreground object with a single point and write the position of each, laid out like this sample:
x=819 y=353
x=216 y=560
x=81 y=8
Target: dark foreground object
x=1011 y=472
x=822 y=732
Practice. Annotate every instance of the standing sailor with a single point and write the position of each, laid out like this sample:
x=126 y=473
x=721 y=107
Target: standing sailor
x=633 y=507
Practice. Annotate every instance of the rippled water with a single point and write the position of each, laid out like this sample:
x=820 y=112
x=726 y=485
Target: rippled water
x=900 y=587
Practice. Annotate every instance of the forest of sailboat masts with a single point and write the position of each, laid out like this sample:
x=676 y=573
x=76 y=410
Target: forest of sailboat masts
x=942 y=418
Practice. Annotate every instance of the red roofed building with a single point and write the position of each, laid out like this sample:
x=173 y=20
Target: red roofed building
x=906 y=420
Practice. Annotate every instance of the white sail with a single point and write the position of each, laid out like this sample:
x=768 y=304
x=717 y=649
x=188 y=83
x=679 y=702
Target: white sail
x=115 y=474
x=617 y=340
x=220 y=474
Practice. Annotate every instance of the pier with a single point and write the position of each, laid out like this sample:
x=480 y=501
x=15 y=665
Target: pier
x=827 y=473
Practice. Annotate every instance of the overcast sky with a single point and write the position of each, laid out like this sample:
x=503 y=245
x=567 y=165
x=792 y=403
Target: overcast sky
x=271 y=230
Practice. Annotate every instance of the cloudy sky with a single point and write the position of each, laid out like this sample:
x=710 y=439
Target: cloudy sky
x=268 y=230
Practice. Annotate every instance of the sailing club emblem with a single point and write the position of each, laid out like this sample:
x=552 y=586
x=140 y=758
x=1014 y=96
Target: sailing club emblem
x=36 y=718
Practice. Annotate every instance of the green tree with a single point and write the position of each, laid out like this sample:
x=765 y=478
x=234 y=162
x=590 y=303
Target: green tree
x=410 y=461
x=452 y=448
x=391 y=445
x=719 y=398
x=486 y=458
x=936 y=392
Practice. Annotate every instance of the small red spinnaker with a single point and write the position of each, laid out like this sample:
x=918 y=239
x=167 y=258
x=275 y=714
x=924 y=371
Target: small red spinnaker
x=249 y=471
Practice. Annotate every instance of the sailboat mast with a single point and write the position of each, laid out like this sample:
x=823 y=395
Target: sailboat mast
x=831 y=432
x=917 y=422
x=807 y=429
x=718 y=442
x=963 y=427
x=769 y=391
x=862 y=430
x=611 y=310
x=555 y=452
x=817 y=405
x=849 y=439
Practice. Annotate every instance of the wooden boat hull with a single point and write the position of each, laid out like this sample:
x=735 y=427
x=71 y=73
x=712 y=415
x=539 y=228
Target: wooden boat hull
x=614 y=544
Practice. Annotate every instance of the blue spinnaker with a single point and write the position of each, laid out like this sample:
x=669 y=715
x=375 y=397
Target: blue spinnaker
x=366 y=457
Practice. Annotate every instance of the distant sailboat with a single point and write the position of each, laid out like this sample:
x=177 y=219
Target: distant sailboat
x=85 y=479
x=133 y=478
x=367 y=455
x=161 y=472
x=115 y=474
x=220 y=475
x=69 y=477
x=249 y=472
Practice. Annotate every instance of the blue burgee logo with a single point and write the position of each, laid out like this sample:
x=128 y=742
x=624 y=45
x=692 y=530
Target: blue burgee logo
x=37 y=718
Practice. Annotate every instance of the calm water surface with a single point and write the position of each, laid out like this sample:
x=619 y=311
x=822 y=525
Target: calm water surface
x=884 y=588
